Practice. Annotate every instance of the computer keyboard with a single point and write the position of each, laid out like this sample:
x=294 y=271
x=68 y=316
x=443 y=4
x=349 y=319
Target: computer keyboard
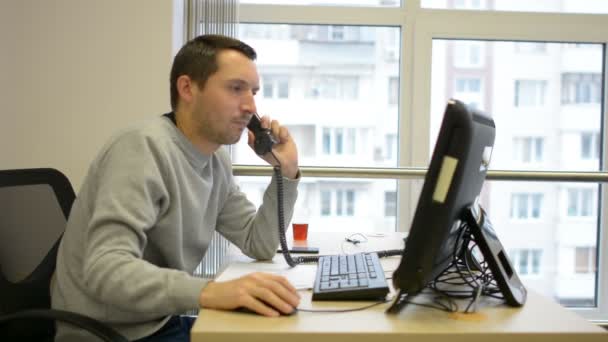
x=350 y=277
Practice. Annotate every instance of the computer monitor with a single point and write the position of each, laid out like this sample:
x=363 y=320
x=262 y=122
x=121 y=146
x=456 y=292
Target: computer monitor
x=452 y=184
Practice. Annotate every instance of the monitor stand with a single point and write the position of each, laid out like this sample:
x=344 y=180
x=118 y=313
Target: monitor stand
x=477 y=222
x=494 y=254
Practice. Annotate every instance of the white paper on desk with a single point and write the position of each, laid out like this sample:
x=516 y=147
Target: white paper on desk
x=301 y=276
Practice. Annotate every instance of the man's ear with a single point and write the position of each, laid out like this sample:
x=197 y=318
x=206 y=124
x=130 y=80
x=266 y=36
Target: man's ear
x=185 y=88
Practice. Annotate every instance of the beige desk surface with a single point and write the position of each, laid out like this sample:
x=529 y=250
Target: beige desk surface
x=540 y=319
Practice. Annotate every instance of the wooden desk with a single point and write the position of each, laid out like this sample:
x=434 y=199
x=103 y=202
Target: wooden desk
x=540 y=319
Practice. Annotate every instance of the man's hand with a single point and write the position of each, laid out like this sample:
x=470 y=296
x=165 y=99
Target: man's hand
x=285 y=150
x=263 y=293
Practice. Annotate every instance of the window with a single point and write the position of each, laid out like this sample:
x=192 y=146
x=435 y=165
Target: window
x=391 y=146
x=275 y=87
x=393 y=90
x=351 y=141
x=344 y=3
x=469 y=4
x=523 y=73
x=530 y=47
x=530 y=93
x=468 y=85
x=523 y=93
x=597 y=6
x=580 y=88
x=339 y=141
x=468 y=90
x=528 y=149
x=526 y=261
x=581 y=202
x=590 y=145
x=325 y=203
x=338 y=202
x=585 y=259
x=526 y=206
x=336 y=32
x=468 y=54
x=334 y=88
x=390 y=203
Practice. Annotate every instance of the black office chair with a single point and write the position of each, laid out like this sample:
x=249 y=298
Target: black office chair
x=34 y=206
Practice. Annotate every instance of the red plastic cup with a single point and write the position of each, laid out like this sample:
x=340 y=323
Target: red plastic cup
x=300 y=231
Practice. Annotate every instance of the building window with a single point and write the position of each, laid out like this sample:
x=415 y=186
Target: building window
x=526 y=261
x=580 y=88
x=339 y=141
x=326 y=33
x=581 y=202
x=325 y=203
x=530 y=93
x=530 y=47
x=468 y=90
x=526 y=206
x=351 y=141
x=528 y=149
x=336 y=33
x=590 y=145
x=275 y=87
x=339 y=202
x=468 y=54
x=391 y=146
x=334 y=88
x=393 y=91
x=390 y=203
x=469 y=4
x=585 y=259
x=350 y=203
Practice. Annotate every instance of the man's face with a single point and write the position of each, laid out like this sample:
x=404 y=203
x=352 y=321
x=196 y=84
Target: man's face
x=223 y=107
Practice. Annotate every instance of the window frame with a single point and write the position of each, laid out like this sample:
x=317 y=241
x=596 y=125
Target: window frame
x=415 y=70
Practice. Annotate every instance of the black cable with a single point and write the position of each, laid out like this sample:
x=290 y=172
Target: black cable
x=468 y=272
x=280 y=213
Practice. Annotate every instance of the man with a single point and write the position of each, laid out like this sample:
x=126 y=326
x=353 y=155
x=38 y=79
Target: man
x=151 y=200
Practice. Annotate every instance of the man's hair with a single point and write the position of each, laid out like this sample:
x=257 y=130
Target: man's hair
x=198 y=59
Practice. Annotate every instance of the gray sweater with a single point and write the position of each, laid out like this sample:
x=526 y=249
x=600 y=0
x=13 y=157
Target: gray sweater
x=142 y=222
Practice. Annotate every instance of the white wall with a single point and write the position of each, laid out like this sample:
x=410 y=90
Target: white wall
x=73 y=72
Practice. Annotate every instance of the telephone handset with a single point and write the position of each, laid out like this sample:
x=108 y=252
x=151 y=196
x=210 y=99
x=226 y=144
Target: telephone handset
x=263 y=137
x=262 y=144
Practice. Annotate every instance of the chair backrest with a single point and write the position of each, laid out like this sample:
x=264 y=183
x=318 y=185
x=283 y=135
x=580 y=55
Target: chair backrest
x=34 y=206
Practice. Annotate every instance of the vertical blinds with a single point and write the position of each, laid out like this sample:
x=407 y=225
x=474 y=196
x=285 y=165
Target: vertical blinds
x=213 y=17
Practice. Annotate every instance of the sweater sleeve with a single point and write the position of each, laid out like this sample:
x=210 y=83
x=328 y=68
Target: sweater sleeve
x=125 y=202
x=256 y=233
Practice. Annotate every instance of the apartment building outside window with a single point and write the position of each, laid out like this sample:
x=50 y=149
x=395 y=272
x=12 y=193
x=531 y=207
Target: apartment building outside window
x=590 y=145
x=525 y=85
x=275 y=87
x=528 y=149
x=526 y=206
x=580 y=88
x=390 y=203
x=468 y=54
x=393 y=91
x=526 y=261
x=334 y=88
x=338 y=202
x=530 y=93
x=530 y=47
x=468 y=90
x=391 y=147
x=581 y=202
x=339 y=140
x=585 y=259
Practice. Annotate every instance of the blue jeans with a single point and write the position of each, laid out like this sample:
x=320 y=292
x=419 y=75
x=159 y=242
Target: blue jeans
x=177 y=329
